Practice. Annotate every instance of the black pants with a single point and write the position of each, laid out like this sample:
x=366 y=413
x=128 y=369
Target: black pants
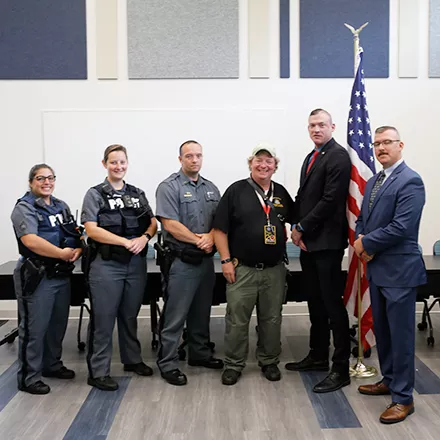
x=323 y=283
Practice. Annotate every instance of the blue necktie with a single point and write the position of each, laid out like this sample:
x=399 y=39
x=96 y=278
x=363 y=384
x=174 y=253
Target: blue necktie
x=376 y=188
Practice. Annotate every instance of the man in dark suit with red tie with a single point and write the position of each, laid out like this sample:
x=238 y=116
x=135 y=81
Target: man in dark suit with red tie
x=322 y=233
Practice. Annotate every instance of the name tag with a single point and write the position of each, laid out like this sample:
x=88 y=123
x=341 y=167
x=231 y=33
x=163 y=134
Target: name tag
x=270 y=235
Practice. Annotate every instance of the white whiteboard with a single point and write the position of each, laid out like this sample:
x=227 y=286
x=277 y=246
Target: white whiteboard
x=74 y=143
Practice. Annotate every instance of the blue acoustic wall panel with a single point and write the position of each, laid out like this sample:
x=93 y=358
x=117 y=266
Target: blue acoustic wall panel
x=43 y=39
x=284 y=38
x=326 y=45
x=182 y=38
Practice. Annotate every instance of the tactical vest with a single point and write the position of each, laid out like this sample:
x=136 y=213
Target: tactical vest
x=124 y=215
x=55 y=224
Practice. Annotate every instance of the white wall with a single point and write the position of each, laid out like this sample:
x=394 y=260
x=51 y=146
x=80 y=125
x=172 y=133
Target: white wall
x=410 y=104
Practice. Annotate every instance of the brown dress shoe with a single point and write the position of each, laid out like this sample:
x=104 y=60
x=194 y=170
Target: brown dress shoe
x=375 y=389
x=396 y=412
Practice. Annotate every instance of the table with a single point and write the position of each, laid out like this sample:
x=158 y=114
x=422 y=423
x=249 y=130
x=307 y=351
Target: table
x=296 y=291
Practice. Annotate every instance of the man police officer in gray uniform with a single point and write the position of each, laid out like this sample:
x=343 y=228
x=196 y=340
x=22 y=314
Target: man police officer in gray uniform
x=185 y=205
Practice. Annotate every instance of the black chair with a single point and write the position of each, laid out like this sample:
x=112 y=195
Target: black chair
x=423 y=295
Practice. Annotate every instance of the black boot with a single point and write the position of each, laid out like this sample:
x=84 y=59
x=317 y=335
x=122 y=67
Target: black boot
x=308 y=364
x=175 y=377
x=105 y=383
x=334 y=381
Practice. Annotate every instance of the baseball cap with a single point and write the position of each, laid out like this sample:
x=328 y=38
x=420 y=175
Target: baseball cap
x=263 y=146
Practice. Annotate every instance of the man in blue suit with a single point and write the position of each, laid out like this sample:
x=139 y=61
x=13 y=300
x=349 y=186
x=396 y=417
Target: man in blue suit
x=387 y=230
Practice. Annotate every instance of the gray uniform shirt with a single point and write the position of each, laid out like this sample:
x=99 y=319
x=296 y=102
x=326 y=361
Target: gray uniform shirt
x=192 y=204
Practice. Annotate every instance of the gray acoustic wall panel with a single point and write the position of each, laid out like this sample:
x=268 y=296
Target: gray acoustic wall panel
x=182 y=39
x=43 y=39
x=409 y=36
x=434 y=38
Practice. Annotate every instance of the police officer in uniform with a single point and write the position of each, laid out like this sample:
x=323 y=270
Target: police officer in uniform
x=250 y=236
x=119 y=224
x=48 y=244
x=186 y=203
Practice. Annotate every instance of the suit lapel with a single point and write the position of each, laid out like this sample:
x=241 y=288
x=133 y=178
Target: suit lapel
x=305 y=177
x=367 y=195
x=388 y=182
x=304 y=168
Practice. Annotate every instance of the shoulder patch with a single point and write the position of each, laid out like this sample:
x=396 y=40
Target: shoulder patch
x=277 y=202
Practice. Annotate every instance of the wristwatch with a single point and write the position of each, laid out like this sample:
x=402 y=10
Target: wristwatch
x=226 y=260
x=148 y=236
x=299 y=228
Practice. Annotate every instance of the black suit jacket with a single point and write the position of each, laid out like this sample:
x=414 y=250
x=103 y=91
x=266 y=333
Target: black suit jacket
x=320 y=205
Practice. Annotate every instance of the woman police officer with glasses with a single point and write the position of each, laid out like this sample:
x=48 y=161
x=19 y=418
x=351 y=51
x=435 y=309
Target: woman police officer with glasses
x=48 y=243
x=119 y=223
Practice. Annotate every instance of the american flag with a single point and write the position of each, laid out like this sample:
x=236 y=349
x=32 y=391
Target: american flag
x=360 y=149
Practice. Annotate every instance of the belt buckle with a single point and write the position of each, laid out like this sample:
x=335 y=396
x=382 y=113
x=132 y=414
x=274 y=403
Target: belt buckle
x=259 y=266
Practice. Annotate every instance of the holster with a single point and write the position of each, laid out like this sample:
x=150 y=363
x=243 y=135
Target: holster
x=88 y=255
x=31 y=274
x=165 y=259
x=63 y=269
x=190 y=256
x=116 y=253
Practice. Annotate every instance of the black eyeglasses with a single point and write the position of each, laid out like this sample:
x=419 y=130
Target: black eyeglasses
x=385 y=142
x=42 y=179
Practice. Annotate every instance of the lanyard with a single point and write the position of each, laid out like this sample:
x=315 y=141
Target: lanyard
x=264 y=204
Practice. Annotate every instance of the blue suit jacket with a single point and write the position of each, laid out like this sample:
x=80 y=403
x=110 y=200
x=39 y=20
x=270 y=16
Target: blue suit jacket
x=391 y=229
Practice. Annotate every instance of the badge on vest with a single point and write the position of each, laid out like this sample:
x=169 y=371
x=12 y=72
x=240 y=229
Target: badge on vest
x=270 y=235
x=187 y=194
x=125 y=201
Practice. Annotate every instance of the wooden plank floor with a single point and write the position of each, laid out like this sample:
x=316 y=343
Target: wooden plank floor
x=254 y=409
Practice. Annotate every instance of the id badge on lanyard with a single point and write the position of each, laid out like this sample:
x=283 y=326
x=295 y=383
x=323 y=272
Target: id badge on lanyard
x=270 y=231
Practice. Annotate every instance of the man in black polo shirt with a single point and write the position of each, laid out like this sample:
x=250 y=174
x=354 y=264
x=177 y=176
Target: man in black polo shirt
x=249 y=232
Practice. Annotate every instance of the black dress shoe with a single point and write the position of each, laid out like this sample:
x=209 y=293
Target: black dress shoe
x=38 y=387
x=213 y=363
x=308 y=364
x=141 y=368
x=271 y=372
x=334 y=381
x=175 y=377
x=104 y=383
x=62 y=373
x=230 y=377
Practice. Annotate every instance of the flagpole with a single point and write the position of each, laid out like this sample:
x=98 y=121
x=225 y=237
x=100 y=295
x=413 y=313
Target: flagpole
x=356 y=33
x=359 y=370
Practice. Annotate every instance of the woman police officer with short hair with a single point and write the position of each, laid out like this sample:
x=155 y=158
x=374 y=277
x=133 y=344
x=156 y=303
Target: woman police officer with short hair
x=48 y=244
x=119 y=221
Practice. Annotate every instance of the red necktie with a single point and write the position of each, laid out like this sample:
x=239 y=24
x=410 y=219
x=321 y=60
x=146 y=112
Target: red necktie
x=312 y=160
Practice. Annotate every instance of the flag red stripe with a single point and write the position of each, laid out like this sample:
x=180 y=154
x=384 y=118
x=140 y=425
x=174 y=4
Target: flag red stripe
x=352 y=205
x=358 y=179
